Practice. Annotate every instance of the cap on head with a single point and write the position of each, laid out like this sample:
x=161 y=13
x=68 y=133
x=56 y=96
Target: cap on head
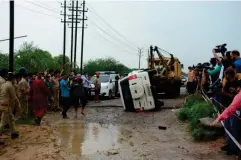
x=3 y=72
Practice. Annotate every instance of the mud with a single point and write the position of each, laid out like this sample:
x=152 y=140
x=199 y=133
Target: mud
x=34 y=143
x=109 y=133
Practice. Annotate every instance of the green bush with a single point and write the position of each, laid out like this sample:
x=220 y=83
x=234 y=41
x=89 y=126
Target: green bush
x=205 y=134
x=183 y=113
x=191 y=100
x=192 y=110
x=199 y=110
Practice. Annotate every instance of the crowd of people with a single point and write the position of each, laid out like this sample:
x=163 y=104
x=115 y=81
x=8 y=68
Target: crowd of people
x=221 y=82
x=23 y=95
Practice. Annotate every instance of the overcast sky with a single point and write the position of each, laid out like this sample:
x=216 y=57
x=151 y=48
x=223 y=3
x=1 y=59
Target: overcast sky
x=188 y=29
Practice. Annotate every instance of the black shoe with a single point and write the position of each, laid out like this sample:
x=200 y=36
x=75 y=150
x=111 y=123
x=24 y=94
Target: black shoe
x=225 y=148
x=14 y=135
x=37 y=121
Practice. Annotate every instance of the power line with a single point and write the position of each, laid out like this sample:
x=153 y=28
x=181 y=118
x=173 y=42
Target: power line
x=103 y=30
x=47 y=5
x=37 y=11
x=1 y=40
x=114 y=35
x=110 y=25
x=41 y=6
x=59 y=1
x=112 y=42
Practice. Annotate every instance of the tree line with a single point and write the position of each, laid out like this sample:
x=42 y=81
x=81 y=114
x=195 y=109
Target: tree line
x=35 y=59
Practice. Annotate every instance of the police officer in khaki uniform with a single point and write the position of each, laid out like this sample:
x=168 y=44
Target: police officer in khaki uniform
x=2 y=80
x=23 y=87
x=55 y=83
x=7 y=97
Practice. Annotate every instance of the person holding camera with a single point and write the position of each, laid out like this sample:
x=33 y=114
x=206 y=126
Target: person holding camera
x=226 y=60
x=214 y=73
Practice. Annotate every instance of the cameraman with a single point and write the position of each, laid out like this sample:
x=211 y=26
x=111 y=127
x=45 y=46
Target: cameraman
x=214 y=73
x=227 y=62
x=237 y=63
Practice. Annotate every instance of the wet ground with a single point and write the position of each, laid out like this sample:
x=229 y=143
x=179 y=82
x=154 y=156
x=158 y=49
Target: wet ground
x=109 y=133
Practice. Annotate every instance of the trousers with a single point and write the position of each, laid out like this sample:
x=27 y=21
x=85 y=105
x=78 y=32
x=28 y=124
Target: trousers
x=66 y=102
x=234 y=128
x=7 y=118
x=56 y=97
x=24 y=105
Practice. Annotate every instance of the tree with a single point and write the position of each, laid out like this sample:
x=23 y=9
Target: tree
x=33 y=58
x=58 y=63
x=3 y=60
x=106 y=64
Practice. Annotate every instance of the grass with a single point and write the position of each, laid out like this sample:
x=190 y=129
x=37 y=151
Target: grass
x=192 y=110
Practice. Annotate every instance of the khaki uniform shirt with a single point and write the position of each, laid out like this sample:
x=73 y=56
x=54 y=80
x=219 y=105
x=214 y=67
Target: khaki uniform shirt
x=7 y=95
x=2 y=81
x=55 y=82
x=23 y=87
x=97 y=83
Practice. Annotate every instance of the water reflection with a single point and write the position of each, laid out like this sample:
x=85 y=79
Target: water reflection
x=64 y=135
x=78 y=138
x=86 y=139
x=95 y=132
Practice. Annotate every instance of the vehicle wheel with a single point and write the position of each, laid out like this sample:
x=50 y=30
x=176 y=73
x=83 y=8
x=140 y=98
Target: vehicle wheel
x=110 y=95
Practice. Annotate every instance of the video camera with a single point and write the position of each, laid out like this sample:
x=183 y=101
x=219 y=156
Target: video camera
x=221 y=49
x=201 y=66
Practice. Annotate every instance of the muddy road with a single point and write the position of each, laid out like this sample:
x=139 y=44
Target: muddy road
x=109 y=133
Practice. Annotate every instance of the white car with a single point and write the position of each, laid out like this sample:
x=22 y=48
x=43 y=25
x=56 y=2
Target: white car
x=136 y=92
x=107 y=81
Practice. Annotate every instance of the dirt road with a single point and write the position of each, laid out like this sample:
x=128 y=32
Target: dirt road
x=109 y=133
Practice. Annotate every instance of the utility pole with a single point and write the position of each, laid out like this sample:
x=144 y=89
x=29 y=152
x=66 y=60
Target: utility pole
x=74 y=24
x=64 y=41
x=72 y=37
x=76 y=32
x=140 y=51
x=11 y=36
x=82 y=39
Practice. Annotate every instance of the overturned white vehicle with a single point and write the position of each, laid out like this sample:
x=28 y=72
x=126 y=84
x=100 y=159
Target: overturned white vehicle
x=136 y=92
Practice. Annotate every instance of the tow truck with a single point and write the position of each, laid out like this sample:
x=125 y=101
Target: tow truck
x=167 y=80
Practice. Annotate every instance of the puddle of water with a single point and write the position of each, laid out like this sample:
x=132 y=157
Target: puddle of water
x=86 y=139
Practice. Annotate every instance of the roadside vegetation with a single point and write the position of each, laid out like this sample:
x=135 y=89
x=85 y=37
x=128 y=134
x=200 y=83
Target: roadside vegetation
x=192 y=110
x=36 y=59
